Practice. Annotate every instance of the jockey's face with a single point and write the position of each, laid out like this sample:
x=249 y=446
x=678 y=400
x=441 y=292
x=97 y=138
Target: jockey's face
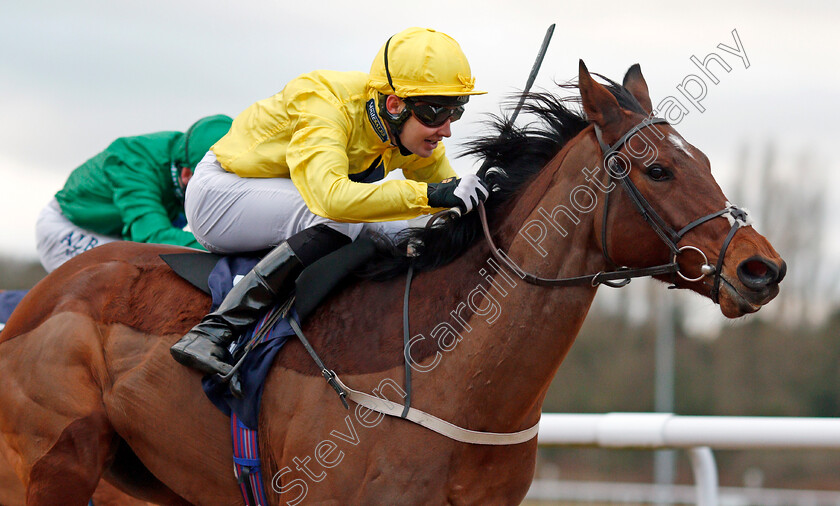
x=422 y=140
x=415 y=136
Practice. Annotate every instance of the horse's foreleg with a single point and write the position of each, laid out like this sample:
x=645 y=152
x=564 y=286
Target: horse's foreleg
x=70 y=470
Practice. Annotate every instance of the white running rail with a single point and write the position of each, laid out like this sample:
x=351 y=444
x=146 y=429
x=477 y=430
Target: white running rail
x=697 y=434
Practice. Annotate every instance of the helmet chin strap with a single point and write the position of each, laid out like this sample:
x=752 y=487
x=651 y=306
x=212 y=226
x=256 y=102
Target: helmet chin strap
x=395 y=123
x=403 y=150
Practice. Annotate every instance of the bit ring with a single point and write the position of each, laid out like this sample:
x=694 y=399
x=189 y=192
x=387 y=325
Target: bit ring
x=705 y=270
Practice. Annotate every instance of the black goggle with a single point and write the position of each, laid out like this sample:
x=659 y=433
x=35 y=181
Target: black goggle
x=434 y=115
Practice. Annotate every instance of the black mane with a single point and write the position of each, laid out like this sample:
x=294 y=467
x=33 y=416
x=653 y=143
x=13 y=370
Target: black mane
x=512 y=156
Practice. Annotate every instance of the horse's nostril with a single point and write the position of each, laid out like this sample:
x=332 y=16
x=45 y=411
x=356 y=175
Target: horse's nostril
x=755 y=268
x=758 y=273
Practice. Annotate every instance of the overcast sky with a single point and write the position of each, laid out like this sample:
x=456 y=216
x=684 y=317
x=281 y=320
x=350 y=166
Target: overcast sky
x=76 y=75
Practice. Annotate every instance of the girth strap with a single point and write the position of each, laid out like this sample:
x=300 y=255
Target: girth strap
x=246 y=462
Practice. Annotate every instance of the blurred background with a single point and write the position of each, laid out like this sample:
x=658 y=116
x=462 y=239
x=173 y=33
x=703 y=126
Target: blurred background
x=76 y=75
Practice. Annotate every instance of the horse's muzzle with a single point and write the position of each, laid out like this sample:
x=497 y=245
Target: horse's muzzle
x=760 y=280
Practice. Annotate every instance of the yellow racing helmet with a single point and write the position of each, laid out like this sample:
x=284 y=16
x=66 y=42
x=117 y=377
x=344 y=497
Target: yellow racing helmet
x=420 y=62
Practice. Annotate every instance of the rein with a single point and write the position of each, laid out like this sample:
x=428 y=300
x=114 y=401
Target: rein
x=615 y=279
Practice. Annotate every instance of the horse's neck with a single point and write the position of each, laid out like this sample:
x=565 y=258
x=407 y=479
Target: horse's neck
x=519 y=333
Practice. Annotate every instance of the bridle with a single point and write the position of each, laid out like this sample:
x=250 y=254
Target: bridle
x=671 y=238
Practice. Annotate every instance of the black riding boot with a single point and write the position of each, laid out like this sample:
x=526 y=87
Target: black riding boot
x=205 y=347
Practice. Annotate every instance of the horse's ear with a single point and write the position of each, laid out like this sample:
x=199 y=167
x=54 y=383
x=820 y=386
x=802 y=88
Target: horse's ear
x=599 y=104
x=635 y=83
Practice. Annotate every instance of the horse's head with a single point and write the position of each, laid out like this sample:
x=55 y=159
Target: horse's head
x=666 y=206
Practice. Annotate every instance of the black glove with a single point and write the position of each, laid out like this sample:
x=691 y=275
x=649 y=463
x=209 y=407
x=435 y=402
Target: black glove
x=464 y=193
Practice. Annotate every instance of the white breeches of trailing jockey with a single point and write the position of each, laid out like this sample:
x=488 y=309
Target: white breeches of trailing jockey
x=58 y=239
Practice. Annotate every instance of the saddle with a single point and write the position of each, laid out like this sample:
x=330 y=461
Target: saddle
x=215 y=274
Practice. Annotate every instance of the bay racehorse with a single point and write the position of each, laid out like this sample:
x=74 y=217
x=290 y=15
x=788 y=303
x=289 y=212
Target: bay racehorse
x=88 y=388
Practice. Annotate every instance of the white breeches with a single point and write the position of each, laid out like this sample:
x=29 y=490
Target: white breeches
x=58 y=239
x=232 y=214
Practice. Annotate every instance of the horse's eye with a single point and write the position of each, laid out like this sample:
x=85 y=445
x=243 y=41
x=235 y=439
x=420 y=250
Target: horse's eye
x=658 y=173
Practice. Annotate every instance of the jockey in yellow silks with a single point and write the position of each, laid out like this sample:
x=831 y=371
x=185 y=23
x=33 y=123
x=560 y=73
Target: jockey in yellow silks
x=328 y=147
x=295 y=173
